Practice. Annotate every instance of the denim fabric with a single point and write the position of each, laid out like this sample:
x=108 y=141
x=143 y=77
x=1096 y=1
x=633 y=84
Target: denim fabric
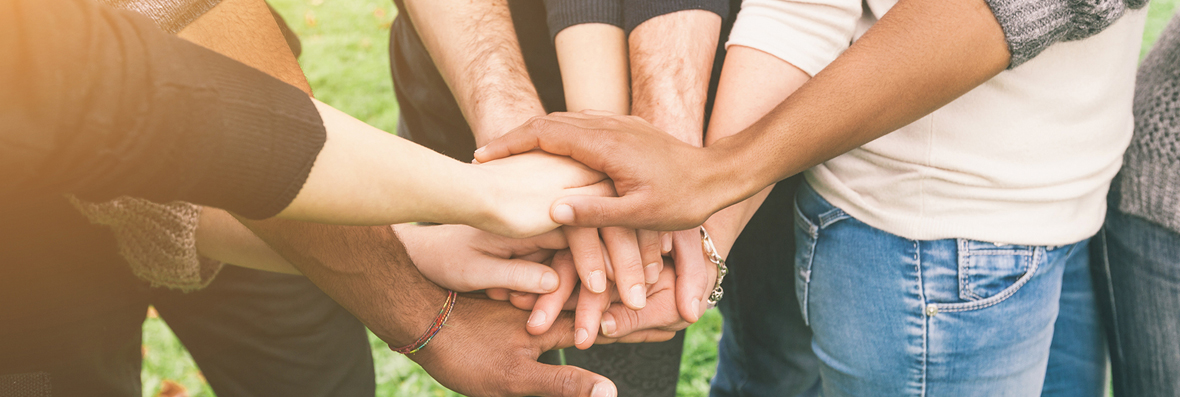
x=1138 y=273
x=953 y=317
x=765 y=348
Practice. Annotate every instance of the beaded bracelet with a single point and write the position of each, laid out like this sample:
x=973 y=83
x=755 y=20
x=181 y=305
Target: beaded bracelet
x=434 y=327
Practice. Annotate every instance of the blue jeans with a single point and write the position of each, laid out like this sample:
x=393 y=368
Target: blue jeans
x=953 y=317
x=1138 y=269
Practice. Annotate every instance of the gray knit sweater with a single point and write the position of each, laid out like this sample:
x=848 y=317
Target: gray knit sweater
x=1031 y=26
x=1150 y=179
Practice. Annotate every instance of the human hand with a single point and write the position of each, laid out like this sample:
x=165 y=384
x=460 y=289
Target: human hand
x=687 y=284
x=483 y=351
x=659 y=179
x=519 y=191
x=462 y=258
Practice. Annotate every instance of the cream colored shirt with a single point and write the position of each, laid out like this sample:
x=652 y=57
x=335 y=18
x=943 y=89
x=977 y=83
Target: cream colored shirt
x=1025 y=158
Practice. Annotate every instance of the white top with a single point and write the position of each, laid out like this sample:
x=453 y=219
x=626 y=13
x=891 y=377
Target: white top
x=1025 y=158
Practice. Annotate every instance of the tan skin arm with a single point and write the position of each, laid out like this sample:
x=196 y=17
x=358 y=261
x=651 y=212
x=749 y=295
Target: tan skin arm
x=921 y=55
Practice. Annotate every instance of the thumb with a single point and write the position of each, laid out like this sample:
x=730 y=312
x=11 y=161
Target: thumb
x=513 y=274
x=563 y=381
x=516 y=142
x=591 y=211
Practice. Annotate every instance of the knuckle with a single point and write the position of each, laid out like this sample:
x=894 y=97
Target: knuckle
x=565 y=381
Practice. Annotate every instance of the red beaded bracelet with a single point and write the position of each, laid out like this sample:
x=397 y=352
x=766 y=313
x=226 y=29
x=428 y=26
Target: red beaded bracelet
x=434 y=328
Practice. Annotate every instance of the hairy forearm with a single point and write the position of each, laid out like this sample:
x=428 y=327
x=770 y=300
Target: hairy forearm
x=671 y=62
x=365 y=269
x=594 y=73
x=918 y=57
x=474 y=46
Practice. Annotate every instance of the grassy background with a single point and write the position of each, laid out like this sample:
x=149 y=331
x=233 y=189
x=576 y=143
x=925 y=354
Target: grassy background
x=345 y=57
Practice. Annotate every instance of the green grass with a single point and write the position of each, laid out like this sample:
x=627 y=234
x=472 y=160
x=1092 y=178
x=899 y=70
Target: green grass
x=345 y=58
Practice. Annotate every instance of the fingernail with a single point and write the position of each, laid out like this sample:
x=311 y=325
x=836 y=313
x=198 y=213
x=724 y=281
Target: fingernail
x=597 y=281
x=518 y=294
x=651 y=273
x=638 y=296
x=580 y=336
x=563 y=214
x=602 y=389
x=537 y=318
x=696 y=309
x=666 y=242
x=480 y=150
x=608 y=324
x=548 y=282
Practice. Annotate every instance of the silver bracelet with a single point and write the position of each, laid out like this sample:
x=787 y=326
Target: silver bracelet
x=722 y=270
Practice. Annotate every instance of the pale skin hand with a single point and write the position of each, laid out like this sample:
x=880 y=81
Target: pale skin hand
x=594 y=73
x=671 y=60
x=475 y=48
x=921 y=55
x=365 y=176
x=456 y=257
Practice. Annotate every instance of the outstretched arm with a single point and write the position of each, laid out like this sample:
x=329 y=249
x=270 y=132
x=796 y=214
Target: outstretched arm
x=921 y=55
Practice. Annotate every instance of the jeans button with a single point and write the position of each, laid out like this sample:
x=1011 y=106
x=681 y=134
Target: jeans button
x=931 y=310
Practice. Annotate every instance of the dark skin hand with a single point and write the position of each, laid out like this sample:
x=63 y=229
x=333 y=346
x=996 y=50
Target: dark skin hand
x=483 y=351
x=921 y=55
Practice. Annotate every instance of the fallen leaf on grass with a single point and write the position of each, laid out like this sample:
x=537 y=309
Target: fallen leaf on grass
x=309 y=18
x=170 y=388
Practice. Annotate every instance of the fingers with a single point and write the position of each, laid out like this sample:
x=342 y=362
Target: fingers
x=549 y=306
x=551 y=240
x=623 y=247
x=661 y=314
x=522 y=300
x=650 y=253
x=590 y=211
x=692 y=274
x=513 y=274
x=536 y=379
x=587 y=316
x=549 y=133
x=588 y=259
x=665 y=243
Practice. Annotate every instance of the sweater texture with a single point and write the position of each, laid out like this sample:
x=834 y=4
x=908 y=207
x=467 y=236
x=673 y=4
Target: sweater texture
x=1149 y=183
x=1031 y=26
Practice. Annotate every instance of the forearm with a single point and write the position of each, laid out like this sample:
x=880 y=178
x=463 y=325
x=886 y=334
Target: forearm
x=365 y=269
x=475 y=48
x=365 y=176
x=222 y=238
x=752 y=83
x=918 y=57
x=594 y=73
x=671 y=62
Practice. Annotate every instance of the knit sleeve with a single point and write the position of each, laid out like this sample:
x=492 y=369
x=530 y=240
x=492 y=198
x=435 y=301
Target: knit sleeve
x=101 y=103
x=1149 y=183
x=158 y=241
x=636 y=12
x=1031 y=26
x=170 y=15
x=565 y=13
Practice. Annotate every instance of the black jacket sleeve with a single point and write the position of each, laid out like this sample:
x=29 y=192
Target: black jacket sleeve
x=101 y=103
x=565 y=13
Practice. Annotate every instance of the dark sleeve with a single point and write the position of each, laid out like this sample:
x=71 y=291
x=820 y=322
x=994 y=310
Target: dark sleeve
x=636 y=12
x=101 y=103
x=1031 y=26
x=565 y=13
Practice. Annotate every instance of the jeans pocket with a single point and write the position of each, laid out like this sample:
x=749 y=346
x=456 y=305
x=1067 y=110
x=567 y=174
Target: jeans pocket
x=989 y=273
x=806 y=234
